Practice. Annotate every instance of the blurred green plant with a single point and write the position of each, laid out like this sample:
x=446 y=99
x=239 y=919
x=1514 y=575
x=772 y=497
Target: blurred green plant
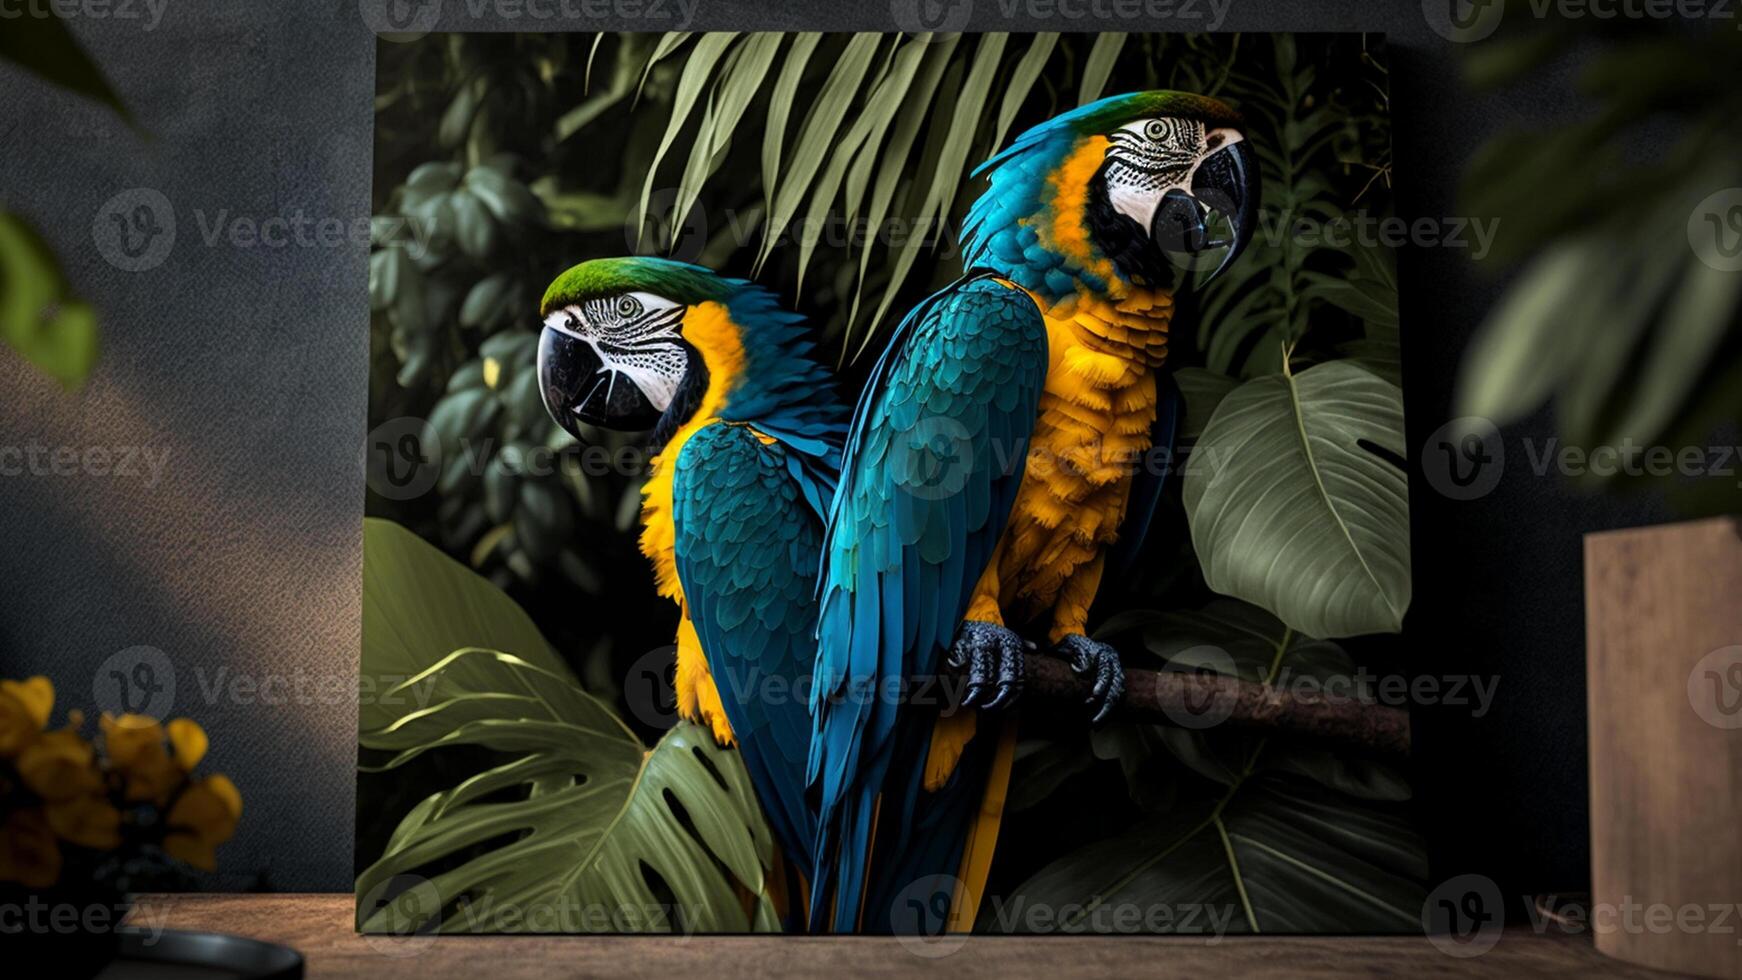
x=578 y=827
x=1616 y=317
x=40 y=317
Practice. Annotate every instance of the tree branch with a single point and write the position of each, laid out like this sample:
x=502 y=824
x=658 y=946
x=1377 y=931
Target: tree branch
x=1207 y=700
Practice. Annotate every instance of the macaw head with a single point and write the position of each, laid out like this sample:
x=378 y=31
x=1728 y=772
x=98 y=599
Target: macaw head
x=643 y=343
x=1119 y=190
x=613 y=351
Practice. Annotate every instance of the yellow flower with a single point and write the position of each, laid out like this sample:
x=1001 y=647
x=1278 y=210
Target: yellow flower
x=190 y=742
x=128 y=737
x=24 y=711
x=59 y=766
x=135 y=747
x=203 y=817
x=89 y=821
x=28 y=852
x=192 y=850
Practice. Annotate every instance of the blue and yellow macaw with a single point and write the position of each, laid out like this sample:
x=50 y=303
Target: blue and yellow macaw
x=746 y=438
x=991 y=465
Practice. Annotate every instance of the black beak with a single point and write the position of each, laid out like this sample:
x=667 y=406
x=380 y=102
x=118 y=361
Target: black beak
x=1227 y=183
x=576 y=390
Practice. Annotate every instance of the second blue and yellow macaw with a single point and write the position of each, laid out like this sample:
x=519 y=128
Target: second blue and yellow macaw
x=745 y=430
x=992 y=462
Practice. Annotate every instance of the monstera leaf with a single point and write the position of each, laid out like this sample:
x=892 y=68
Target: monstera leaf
x=1286 y=838
x=578 y=827
x=1276 y=853
x=1297 y=503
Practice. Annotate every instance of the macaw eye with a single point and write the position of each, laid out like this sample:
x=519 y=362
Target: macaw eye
x=628 y=307
x=1155 y=129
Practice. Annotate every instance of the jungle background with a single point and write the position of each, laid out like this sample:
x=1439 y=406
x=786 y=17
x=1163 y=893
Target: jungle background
x=503 y=159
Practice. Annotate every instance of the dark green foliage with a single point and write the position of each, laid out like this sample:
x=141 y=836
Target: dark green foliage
x=1625 y=314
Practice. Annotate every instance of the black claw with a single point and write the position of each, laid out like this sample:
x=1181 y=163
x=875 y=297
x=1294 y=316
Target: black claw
x=980 y=671
x=1010 y=668
x=992 y=656
x=1100 y=661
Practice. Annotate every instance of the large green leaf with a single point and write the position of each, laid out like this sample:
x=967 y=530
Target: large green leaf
x=578 y=826
x=1294 y=505
x=1288 y=838
x=1236 y=639
x=1275 y=853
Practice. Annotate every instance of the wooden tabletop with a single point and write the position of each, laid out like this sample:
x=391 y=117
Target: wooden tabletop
x=319 y=926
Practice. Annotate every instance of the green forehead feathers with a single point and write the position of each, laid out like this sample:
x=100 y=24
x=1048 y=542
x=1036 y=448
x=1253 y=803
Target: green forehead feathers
x=679 y=282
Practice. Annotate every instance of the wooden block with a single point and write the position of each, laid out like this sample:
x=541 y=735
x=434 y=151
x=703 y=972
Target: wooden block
x=1663 y=635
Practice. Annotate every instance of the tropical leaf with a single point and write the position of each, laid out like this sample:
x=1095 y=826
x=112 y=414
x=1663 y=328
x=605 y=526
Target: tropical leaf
x=1237 y=639
x=690 y=84
x=1202 y=390
x=1290 y=838
x=1098 y=66
x=578 y=827
x=1267 y=301
x=816 y=135
x=1022 y=79
x=1296 y=503
x=1274 y=853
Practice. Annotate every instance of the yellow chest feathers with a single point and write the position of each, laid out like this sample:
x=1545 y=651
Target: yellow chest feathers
x=1093 y=431
x=708 y=328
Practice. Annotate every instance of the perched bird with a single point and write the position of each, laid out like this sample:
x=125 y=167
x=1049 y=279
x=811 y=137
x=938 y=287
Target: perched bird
x=746 y=433
x=998 y=452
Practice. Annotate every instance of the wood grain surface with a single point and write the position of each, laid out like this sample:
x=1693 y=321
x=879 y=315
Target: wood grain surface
x=1663 y=609
x=320 y=927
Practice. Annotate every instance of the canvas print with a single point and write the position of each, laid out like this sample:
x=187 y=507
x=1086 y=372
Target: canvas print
x=884 y=483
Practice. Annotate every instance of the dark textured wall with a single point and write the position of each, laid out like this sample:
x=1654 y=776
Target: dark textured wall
x=240 y=370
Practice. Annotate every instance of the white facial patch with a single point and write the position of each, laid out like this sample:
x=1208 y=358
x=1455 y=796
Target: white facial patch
x=1150 y=157
x=636 y=337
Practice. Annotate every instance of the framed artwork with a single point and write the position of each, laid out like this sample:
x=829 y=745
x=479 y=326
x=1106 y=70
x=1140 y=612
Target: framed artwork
x=885 y=483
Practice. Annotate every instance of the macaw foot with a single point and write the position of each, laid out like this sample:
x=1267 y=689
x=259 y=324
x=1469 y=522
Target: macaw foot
x=1098 y=662
x=992 y=656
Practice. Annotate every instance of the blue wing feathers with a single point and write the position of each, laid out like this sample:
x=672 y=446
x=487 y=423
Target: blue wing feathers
x=748 y=545
x=933 y=458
